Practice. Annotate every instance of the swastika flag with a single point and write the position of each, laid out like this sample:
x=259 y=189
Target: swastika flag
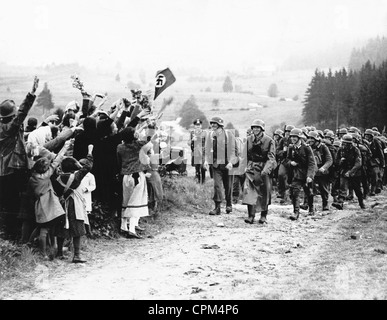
x=164 y=79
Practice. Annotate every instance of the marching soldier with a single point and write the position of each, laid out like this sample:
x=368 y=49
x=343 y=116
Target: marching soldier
x=282 y=170
x=365 y=158
x=323 y=159
x=376 y=161
x=349 y=164
x=260 y=151
x=222 y=154
x=302 y=166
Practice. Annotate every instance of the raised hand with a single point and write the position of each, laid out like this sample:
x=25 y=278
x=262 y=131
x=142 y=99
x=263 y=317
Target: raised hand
x=35 y=85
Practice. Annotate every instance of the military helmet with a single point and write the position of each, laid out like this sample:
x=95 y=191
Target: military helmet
x=279 y=132
x=375 y=129
x=356 y=137
x=320 y=133
x=312 y=128
x=217 y=120
x=337 y=143
x=289 y=127
x=330 y=135
x=370 y=132
x=314 y=135
x=343 y=131
x=258 y=123
x=347 y=138
x=325 y=131
x=296 y=133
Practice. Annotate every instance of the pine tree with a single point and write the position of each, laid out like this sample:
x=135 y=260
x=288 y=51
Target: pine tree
x=44 y=99
x=189 y=112
x=227 y=85
x=273 y=91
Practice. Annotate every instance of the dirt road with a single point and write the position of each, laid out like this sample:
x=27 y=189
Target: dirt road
x=197 y=256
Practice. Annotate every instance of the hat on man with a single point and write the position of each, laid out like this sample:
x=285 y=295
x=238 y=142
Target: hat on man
x=7 y=109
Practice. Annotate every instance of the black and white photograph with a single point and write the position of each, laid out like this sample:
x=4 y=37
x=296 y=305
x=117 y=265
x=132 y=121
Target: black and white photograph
x=193 y=155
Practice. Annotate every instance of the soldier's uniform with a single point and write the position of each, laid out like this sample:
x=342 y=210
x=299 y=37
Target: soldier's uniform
x=365 y=158
x=259 y=149
x=349 y=163
x=376 y=161
x=302 y=168
x=221 y=152
x=197 y=144
x=282 y=170
x=324 y=161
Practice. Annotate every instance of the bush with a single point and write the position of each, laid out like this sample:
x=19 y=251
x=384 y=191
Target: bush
x=195 y=195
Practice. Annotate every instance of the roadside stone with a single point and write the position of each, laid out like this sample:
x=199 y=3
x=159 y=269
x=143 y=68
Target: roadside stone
x=354 y=236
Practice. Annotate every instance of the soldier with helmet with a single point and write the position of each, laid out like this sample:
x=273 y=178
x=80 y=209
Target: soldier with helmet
x=341 y=132
x=221 y=153
x=365 y=158
x=259 y=149
x=348 y=162
x=277 y=136
x=324 y=161
x=14 y=165
x=329 y=140
x=302 y=167
x=376 y=162
x=282 y=170
x=383 y=144
x=197 y=144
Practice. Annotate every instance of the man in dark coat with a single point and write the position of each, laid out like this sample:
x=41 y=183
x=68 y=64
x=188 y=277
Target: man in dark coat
x=302 y=168
x=349 y=163
x=282 y=148
x=376 y=162
x=222 y=154
x=323 y=158
x=14 y=166
x=259 y=149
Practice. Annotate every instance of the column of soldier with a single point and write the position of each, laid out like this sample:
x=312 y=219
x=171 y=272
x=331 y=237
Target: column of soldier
x=299 y=163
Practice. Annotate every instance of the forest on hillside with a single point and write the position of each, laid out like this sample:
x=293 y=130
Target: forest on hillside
x=350 y=97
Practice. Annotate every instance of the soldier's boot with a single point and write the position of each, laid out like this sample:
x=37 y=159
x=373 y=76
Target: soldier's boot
x=262 y=219
x=325 y=205
x=361 y=203
x=295 y=215
x=216 y=210
x=372 y=193
x=335 y=199
x=311 y=206
x=350 y=195
x=251 y=213
x=338 y=205
x=304 y=206
x=228 y=207
x=296 y=207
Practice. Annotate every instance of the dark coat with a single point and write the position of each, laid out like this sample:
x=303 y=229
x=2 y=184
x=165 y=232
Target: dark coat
x=349 y=160
x=306 y=163
x=13 y=153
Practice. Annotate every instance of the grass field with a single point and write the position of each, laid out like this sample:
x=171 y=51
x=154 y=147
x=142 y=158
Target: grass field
x=233 y=107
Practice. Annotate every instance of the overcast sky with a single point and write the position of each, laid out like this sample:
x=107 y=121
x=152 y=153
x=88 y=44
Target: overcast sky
x=188 y=33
